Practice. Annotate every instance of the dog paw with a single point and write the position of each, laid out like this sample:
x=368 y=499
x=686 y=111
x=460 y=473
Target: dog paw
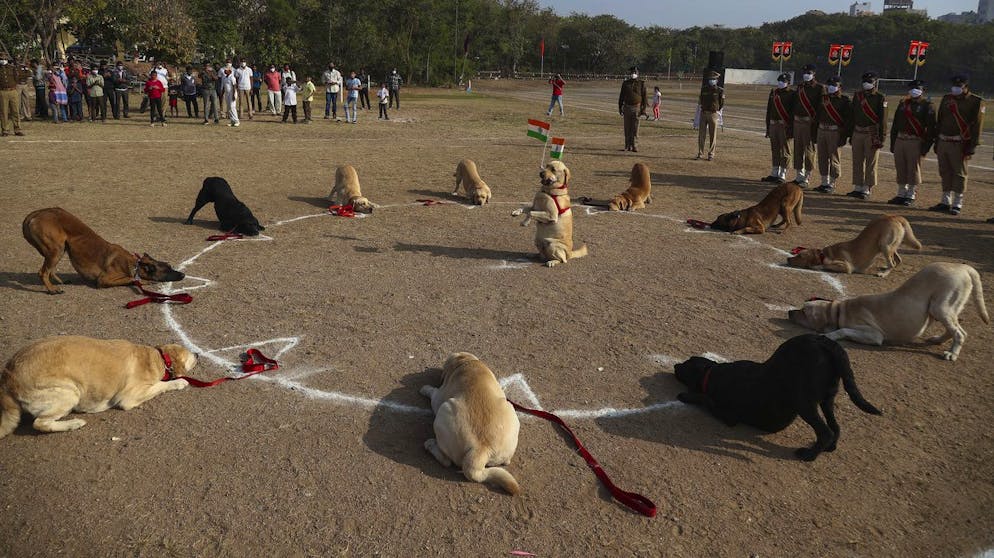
x=949 y=355
x=517 y=212
x=806 y=454
x=56 y=292
x=551 y=263
x=180 y=384
x=830 y=447
x=188 y=222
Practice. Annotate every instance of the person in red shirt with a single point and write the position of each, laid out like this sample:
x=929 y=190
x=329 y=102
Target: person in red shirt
x=154 y=89
x=274 y=86
x=557 y=95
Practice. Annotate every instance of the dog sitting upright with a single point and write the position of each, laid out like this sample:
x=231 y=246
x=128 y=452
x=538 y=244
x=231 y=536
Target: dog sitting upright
x=469 y=179
x=639 y=191
x=233 y=215
x=347 y=191
x=802 y=375
x=784 y=201
x=554 y=219
x=476 y=428
x=54 y=231
x=883 y=236
x=57 y=375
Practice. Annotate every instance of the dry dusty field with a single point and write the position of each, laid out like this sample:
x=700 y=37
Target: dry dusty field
x=324 y=457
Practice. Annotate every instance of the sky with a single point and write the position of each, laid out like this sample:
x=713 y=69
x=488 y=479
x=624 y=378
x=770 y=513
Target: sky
x=731 y=13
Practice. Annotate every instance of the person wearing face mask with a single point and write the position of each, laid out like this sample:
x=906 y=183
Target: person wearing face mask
x=243 y=76
x=208 y=89
x=911 y=137
x=272 y=79
x=393 y=84
x=958 y=122
x=122 y=81
x=710 y=102
x=10 y=75
x=834 y=117
x=779 y=127
x=809 y=94
x=869 y=109
x=632 y=102
x=332 y=79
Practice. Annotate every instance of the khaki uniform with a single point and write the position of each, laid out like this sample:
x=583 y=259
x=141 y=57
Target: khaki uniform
x=10 y=75
x=867 y=136
x=631 y=104
x=910 y=143
x=806 y=125
x=779 y=127
x=22 y=94
x=711 y=101
x=832 y=135
x=953 y=143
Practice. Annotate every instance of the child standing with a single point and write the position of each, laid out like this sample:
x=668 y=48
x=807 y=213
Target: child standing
x=308 y=95
x=174 y=98
x=657 y=98
x=290 y=99
x=352 y=85
x=384 y=96
x=154 y=89
x=75 y=92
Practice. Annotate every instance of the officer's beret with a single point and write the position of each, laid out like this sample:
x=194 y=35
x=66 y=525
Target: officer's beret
x=809 y=67
x=834 y=80
x=784 y=77
x=916 y=84
x=961 y=79
x=870 y=76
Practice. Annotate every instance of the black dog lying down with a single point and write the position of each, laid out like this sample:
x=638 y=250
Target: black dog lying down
x=233 y=214
x=802 y=375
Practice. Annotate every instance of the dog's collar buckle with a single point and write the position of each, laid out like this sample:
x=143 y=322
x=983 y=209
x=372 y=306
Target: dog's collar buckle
x=169 y=374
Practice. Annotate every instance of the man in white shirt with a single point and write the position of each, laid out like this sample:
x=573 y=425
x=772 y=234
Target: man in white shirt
x=243 y=77
x=332 y=86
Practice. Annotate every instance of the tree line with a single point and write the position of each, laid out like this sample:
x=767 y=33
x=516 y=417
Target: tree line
x=437 y=41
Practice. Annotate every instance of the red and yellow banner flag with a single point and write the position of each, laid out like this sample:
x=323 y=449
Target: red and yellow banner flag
x=777 y=51
x=833 y=54
x=788 y=49
x=846 y=55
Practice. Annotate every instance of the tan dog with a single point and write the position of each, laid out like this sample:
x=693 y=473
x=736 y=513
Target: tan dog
x=475 y=188
x=554 y=219
x=347 y=191
x=54 y=376
x=938 y=292
x=54 y=230
x=475 y=426
x=883 y=236
x=639 y=191
x=784 y=201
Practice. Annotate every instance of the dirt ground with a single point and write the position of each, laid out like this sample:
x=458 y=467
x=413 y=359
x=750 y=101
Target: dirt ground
x=324 y=457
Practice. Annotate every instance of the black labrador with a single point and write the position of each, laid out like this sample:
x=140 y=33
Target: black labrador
x=802 y=375
x=234 y=215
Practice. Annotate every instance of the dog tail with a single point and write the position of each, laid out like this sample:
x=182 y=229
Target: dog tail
x=797 y=210
x=474 y=466
x=578 y=252
x=909 y=236
x=978 y=296
x=10 y=412
x=844 y=369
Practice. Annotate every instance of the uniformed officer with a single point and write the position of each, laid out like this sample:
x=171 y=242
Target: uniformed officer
x=710 y=103
x=631 y=104
x=911 y=137
x=809 y=94
x=10 y=75
x=958 y=122
x=869 y=117
x=834 y=116
x=779 y=127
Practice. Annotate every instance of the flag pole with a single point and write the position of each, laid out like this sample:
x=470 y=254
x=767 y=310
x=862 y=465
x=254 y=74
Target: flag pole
x=545 y=148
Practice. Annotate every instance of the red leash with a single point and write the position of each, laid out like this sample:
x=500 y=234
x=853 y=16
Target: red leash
x=431 y=202
x=797 y=250
x=254 y=363
x=698 y=224
x=158 y=298
x=342 y=210
x=230 y=235
x=634 y=501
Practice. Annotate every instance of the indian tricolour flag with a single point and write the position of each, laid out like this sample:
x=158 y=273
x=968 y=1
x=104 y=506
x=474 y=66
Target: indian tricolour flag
x=538 y=130
x=558 y=146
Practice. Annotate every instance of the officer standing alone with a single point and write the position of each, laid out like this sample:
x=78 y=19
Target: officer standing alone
x=780 y=127
x=911 y=137
x=834 y=122
x=958 y=123
x=710 y=103
x=631 y=104
x=869 y=110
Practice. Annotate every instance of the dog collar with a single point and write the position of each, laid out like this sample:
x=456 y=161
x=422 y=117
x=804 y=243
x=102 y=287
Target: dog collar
x=169 y=375
x=704 y=382
x=138 y=260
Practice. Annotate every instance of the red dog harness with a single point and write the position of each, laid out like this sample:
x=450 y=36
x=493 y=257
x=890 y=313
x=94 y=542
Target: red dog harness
x=254 y=363
x=818 y=252
x=555 y=200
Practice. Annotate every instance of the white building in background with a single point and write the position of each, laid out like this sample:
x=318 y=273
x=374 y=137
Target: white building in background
x=904 y=6
x=861 y=9
x=985 y=11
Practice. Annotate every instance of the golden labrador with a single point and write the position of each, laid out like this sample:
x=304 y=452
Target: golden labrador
x=54 y=376
x=938 y=292
x=883 y=236
x=54 y=231
x=554 y=219
x=784 y=201
x=347 y=191
x=639 y=191
x=476 y=428
x=468 y=178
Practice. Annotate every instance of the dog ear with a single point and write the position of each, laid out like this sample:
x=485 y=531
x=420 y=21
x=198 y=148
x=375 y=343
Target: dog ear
x=566 y=175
